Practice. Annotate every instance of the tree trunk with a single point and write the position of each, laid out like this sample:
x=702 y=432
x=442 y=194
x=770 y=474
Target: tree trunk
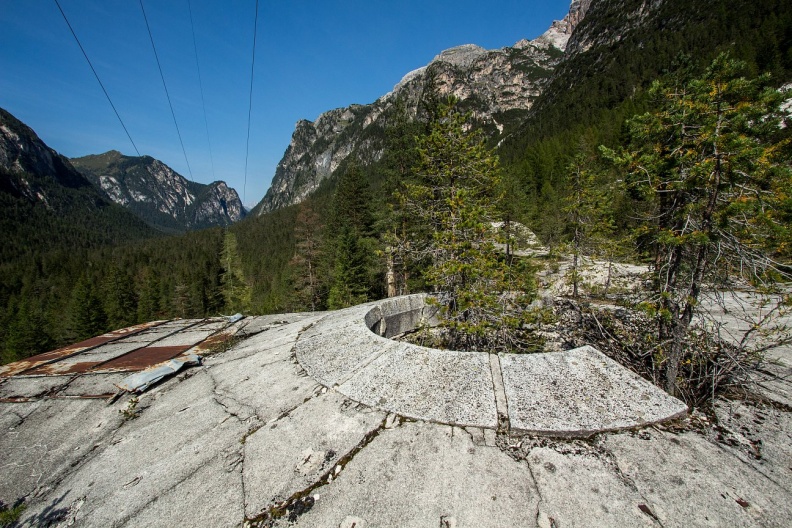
x=390 y=274
x=676 y=335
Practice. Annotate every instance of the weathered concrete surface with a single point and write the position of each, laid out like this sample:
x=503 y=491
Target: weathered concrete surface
x=580 y=392
x=250 y=438
x=420 y=474
x=581 y=488
x=299 y=449
x=41 y=441
x=577 y=392
x=680 y=473
x=173 y=456
x=435 y=385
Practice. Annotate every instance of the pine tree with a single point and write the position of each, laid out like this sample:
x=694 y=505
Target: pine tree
x=88 y=318
x=355 y=269
x=120 y=303
x=308 y=254
x=714 y=176
x=148 y=308
x=27 y=334
x=399 y=159
x=588 y=207
x=236 y=292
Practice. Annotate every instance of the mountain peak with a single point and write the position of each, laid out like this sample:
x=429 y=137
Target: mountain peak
x=159 y=195
x=499 y=86
x=462 y=56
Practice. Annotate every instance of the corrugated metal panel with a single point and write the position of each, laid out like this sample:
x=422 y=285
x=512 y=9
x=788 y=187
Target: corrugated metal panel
x=141 y=381
x=54 y=355
x=142 y=358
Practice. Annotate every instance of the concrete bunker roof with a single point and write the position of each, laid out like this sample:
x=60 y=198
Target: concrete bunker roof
x=573 y=393
x=249 y=438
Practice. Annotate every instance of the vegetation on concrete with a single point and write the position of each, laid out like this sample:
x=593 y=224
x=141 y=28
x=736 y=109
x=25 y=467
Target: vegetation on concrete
x=709 y=170
x=453 y=199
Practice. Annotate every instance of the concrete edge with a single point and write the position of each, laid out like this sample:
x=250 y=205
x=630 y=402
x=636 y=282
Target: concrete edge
x=383 y=318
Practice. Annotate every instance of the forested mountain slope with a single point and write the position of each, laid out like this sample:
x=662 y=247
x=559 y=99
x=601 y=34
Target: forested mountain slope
x=344 y=170
x=616 y=51
x=498 y=86
x=47 y=204
x=613 y=50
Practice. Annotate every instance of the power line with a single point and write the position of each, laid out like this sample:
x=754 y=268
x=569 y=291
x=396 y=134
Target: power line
x=250 y=101
x=200 y=84
x=97 y=76
x=166 y=89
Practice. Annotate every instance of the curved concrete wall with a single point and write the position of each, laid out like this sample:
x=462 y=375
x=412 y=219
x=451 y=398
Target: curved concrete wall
x=577 y=392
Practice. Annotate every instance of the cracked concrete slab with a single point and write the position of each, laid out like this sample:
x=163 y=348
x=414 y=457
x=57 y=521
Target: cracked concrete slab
x=298 y=450
x=252 y=431
x=418 y=474
x=22 y=387
x=46 y=439
x=581 y=489
x=212 y=496
x=270 y=336
x=178 y=432
x=580 y=392
x=576 y=392
x=437 y=385
x=759 y=435
x=94 y=385
x=264 y=385
x=331 y=353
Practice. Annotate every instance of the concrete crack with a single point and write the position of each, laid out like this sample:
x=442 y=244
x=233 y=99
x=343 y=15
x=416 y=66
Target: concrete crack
x=131 y=515
x=302 y=501
x=538 y=492
x=609 y=459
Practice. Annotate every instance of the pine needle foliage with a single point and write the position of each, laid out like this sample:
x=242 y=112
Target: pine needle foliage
x=454 y=198
x=710 y=167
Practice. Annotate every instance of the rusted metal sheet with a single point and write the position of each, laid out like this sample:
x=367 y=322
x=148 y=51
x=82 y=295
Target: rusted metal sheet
x=212 y=343
x=215 y=341
x=55 y=355
x=142 y=358
x=59 y=367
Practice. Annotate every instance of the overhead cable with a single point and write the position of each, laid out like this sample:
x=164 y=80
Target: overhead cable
x=250 y=101
x=97 y=76
x=200 y=84
x=166 y=89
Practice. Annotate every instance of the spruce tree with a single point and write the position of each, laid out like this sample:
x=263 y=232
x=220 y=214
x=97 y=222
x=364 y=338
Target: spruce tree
x=355 y=268
x=120 y=302
x=88 y=318
x=308 y=254
x=454 y=199
x=236 y=292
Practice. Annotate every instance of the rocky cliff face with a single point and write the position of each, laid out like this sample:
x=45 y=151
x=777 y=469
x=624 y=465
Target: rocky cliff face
x=29 y=164
x=158 y=194
x=497 y=86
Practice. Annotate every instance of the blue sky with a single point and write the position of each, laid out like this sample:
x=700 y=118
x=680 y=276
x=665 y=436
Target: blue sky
x=311 y=56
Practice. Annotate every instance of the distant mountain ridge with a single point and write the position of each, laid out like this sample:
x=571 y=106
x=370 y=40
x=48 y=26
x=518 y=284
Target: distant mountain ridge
x=46 y=204
x=159 y=195
x=497 y=86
